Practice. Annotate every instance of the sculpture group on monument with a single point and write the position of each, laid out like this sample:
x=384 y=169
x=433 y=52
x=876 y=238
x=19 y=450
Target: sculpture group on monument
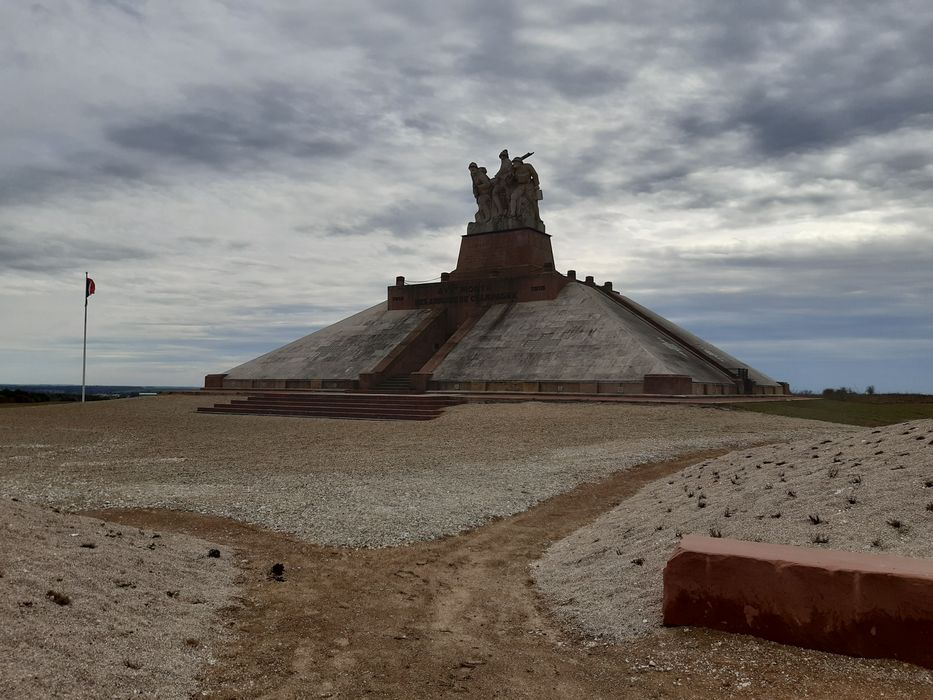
x=510 y=199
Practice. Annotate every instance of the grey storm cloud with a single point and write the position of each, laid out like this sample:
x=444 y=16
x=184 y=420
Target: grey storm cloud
x=846 y=71
x=836 y=264
x=409 y=217
x=54 y=253
x=877 y=288
x=783 y=124
x=84 y=172
x=220 y=129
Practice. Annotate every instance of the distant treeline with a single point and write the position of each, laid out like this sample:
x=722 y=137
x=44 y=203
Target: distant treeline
x=44 y=393
x=23 y=396
x=844 y=393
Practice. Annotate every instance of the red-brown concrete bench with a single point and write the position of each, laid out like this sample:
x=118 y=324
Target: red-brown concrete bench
x=872 y=605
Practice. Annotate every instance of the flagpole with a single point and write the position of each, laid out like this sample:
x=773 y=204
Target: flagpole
x=84 y=351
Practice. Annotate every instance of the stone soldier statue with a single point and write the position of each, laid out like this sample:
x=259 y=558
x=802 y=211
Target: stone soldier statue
x=502 y=183
x=523 y=201
x=488 y=207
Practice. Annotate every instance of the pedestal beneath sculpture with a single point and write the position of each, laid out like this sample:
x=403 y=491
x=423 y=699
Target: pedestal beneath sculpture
x=518 y=251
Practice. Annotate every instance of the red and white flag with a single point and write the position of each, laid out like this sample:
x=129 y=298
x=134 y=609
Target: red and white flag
x=89 y=288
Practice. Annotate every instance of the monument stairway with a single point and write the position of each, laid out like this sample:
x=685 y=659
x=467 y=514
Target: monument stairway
x=396 y=385
x=368 y=406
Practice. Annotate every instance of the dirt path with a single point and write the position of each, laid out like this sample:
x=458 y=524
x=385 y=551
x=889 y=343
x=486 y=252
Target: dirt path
x=460 y=616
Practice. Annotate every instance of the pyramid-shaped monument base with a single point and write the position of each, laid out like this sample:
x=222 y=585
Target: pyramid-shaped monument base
x=503 y=321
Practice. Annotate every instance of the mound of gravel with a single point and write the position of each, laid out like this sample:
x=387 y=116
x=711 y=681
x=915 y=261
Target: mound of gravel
x=870 y=490
x=89 y=609
x=350 y=483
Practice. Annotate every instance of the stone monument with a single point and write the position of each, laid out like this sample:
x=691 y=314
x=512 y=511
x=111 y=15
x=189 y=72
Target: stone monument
x=503 y=320
x=509 y=200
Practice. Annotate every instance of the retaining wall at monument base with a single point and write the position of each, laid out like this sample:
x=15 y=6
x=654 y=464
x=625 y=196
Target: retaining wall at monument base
x=218 y=381
x=871 y=605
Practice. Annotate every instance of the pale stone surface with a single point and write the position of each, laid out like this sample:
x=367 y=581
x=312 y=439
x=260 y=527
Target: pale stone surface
x=580 y=335
x=340 y=351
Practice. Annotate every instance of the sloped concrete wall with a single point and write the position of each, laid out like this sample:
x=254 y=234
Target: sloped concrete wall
x=580 y=335
x=718 y=354
x=341 y=351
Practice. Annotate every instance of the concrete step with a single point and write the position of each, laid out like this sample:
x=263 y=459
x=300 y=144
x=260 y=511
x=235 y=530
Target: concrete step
x=396 y=385
x=354 y=406
x=350 y=398
x=318 y=408
x=347 y=415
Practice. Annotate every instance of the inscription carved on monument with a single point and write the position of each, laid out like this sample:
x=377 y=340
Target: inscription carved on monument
x=509 y=200
x=463 y=294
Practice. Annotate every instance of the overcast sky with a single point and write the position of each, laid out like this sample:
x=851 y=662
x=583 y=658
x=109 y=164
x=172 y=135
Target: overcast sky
x=237 y=174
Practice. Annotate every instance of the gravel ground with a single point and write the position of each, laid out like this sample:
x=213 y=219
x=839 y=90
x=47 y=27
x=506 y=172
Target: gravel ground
x=355 y=483
x=91 y=609
x=868 y=490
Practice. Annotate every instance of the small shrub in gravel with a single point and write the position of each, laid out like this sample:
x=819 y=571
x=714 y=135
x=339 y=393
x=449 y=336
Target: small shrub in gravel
x=715 y=532
x=895 y=523
x=815 y=518
x=820 y=539
x=930 y=506
x=213 y=553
